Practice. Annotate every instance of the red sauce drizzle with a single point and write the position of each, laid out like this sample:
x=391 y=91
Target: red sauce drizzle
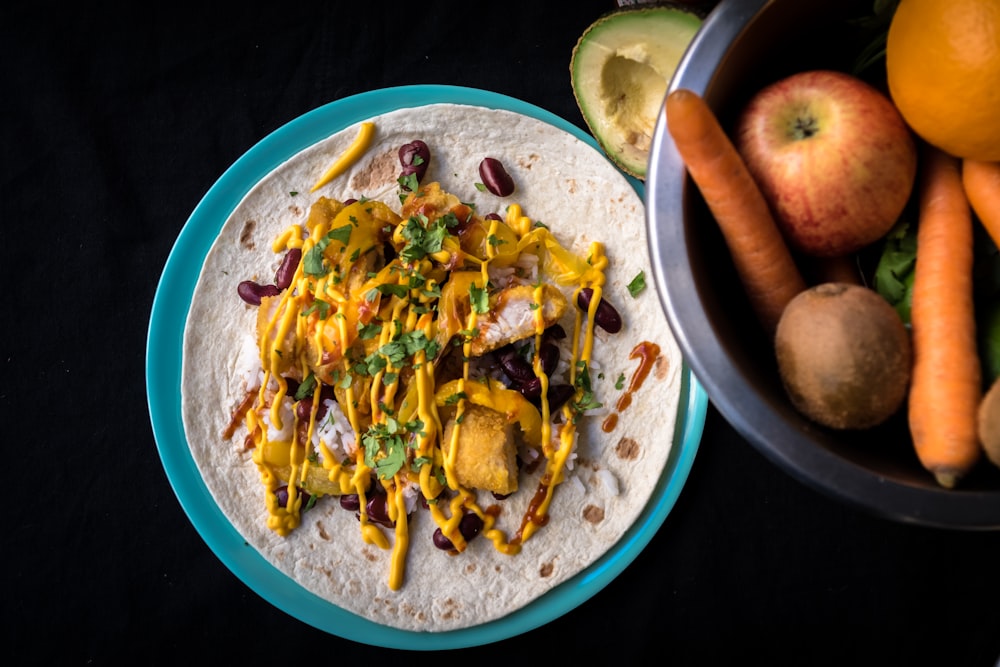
x=239 y=414
x=531 y=515
x=646 y=352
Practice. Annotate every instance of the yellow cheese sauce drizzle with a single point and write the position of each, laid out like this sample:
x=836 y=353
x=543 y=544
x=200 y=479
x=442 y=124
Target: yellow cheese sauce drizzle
x=288 y=461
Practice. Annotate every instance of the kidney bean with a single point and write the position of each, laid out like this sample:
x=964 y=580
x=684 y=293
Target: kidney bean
x=606 y=316
x=349 y=201
x=326 y=392
x=514 y=365
x=252 y=292
x=493 y=216
x=303 y=408
x=378 y=511
x=558 y=394
x=442 y=542
x=495 y=177
x=531 y=390
x=281 y=493
x=286 y=270
x=549 y=355
x=470 y=526
x=554 y=332
x=414 y=158
x=350 y=502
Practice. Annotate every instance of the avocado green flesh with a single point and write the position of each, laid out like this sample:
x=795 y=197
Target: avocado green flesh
x=620 y=70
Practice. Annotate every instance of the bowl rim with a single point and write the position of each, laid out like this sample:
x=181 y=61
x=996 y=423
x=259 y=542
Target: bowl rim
x=667 y=192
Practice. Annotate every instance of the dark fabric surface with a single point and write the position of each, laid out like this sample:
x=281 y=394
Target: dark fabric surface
x=115 y=125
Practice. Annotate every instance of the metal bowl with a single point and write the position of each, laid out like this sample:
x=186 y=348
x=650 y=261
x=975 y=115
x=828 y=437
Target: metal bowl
x=743 y=45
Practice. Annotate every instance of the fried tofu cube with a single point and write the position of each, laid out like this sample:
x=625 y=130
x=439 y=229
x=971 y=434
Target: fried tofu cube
x=487 y=452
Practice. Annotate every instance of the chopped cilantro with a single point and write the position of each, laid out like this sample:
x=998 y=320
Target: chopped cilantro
x=408 y=182
x=310 y=503
x=587 y=400
x=370 y=330
x=455 y=398
x=423 y=239
x=638 y=284
x=346 y=381
x=306 y=388
x=386 y=445
x=620 y=382
x=395 y=290
x=313 y=263
x=342 y=234
x=320 y=307
x=479 y=298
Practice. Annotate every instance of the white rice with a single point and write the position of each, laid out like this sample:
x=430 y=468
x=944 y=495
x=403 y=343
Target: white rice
x=336 y=434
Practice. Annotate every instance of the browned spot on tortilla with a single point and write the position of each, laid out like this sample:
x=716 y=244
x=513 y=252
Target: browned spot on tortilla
x=450 y=609
x=572 y=186
x=246 y=234
x=593 y=514
x=378 y=172
x=627 y=449
x=412 y=611
x=416 y=613
x=390 y=605
x=529 y=162
x=369 y=555
x=661 y=367
x=470 y=568
x=322 y=531
x=546 y=570
x=295 y=210
x=497 y=568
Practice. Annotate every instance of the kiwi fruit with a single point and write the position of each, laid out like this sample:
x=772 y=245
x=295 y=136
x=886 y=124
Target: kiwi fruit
x=844 y=356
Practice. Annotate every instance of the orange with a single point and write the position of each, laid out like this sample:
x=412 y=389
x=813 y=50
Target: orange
x=943 y=71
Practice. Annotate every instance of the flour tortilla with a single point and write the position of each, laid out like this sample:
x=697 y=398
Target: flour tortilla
x=581 y=197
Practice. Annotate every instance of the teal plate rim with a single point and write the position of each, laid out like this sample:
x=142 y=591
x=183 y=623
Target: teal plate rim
x=164 y=349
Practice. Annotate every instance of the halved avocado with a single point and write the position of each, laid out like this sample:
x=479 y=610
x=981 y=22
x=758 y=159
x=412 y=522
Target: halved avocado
x=620 y=69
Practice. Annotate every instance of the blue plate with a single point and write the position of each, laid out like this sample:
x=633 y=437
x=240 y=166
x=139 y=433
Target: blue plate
x=163 y=384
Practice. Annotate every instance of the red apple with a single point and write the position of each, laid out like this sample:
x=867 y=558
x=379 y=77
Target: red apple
x=833 y=157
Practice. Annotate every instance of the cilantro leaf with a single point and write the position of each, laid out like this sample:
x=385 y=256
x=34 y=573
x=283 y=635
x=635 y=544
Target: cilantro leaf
x=638 y=284
x=423 y=239
x=306 y=388
x=587 y=399
x=479 y=298
x=313 y=263
x=342 y=234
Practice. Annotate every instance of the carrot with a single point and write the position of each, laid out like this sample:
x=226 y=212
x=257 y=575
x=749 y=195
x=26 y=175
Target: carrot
x=946 y=383
x=763 y=261
x=981 y=181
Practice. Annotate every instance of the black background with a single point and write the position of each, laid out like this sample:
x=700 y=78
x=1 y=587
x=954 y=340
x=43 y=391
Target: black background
x=115 y=124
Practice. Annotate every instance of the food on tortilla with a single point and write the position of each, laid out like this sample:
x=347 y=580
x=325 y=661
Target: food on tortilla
x=427 y=366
